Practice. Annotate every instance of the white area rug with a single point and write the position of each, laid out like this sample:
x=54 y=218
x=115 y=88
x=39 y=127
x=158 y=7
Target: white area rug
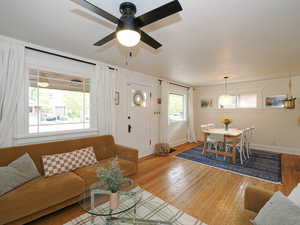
x=150 y=208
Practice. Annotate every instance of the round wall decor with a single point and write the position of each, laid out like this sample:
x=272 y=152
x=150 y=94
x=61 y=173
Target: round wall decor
x=138 y=98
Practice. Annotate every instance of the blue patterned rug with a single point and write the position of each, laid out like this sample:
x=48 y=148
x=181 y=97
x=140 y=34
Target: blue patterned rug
x=263 y=165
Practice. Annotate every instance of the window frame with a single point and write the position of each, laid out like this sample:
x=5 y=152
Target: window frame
x=39 y=125
x=184 y=107
x=23 y=109
x=237 y=106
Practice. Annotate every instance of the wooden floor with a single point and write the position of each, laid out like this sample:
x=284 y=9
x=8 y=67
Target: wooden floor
x=211 y=195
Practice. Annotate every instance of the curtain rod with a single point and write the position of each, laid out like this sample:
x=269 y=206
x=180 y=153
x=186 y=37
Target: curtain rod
x=66 y=57
x=176 y=84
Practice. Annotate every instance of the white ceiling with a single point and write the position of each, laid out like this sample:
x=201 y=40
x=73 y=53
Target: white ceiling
x=249 y=39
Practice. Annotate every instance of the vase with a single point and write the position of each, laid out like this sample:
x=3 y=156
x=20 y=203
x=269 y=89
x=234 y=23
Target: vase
x=114 y=200
x=226 y=127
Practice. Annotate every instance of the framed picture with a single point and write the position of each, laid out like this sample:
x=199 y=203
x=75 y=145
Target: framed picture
x=275 y=101
x=207 y=103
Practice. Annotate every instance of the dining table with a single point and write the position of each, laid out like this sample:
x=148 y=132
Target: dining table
x=232 y=136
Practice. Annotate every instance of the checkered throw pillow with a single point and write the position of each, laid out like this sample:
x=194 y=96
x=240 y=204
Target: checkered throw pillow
x=66 y=162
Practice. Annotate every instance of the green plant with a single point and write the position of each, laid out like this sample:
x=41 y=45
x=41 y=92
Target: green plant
x=112 y=177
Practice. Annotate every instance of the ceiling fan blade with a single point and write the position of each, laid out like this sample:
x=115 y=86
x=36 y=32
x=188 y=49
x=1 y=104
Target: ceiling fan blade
x=98 y=11
x=150 y=41
x=159 y=13
x=106 y=39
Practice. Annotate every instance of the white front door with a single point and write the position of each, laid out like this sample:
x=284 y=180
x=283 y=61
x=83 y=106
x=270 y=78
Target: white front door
x=139 y=118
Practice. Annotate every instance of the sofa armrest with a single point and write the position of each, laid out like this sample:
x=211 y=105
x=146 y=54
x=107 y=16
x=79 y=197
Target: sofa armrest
x=127 y=153
x=255 y=198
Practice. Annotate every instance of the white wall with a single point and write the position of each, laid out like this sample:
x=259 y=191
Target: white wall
x=124 y=77
x=276 y=129
x=177 y=130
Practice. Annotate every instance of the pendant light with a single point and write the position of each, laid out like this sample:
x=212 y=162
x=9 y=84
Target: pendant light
x=225 y=99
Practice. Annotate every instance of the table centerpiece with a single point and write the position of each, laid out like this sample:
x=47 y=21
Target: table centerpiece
x=226 y=122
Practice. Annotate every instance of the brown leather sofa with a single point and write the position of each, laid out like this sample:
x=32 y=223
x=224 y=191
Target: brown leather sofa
x=45 y=195
x=256 y=198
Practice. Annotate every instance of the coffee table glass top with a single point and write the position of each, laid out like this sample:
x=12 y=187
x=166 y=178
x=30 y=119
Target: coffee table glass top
x=95 y=199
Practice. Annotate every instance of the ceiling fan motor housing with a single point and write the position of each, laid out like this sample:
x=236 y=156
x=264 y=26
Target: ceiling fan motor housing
x=128 y=8
x=127 y=20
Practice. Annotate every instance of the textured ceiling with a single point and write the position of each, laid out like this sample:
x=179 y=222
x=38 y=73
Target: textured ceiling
x=249 y=39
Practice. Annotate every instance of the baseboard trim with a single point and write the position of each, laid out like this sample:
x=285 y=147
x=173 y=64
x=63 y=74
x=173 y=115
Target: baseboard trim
x=277 y=149
x=178 y=142
x=146 y=157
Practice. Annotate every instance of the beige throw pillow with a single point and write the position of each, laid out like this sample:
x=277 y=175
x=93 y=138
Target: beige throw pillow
x=294 y=196
x=279 y=210
x=16 y=173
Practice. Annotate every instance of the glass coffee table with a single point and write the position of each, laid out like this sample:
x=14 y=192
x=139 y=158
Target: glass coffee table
x=95 y=201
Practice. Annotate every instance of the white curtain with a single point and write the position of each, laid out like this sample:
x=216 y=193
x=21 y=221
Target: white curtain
x=191 y=136
x=105 y=99
x=11 y=85
x=164 y=121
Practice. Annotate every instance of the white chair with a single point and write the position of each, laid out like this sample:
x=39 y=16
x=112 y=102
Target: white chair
x=217 y=137
x=248 y=139
x=213 y=140
x=240 y=146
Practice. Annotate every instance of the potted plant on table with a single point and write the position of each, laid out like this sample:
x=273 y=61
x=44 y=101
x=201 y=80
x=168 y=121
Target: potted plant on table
x=114 y=180
x=226 y=123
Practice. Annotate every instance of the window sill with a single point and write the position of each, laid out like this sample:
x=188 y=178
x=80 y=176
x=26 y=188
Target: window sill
x=177 y=121
x=54 y=136
x=236 y=109
x=59 y=133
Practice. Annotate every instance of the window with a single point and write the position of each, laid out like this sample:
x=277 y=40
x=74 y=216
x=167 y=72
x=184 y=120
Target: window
x=176 y=107
x=248 y=101
x=239 y=101
x=58 y=102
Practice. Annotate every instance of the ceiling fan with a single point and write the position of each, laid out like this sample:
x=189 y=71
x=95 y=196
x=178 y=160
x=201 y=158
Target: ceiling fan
x=128 y=31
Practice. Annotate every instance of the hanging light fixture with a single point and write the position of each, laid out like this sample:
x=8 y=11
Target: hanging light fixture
x=128 y=31
x=225 y=99
x=290 y=101
x=43 y=84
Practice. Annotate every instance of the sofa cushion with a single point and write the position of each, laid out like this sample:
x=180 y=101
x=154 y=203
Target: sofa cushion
x=16 y=173
x=69 y=161
x=294 y=196
x=88 y=174
x=279 y=210
x=39 y=194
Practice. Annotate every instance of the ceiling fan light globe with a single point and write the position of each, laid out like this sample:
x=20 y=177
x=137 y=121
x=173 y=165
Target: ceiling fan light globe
x=128 y=38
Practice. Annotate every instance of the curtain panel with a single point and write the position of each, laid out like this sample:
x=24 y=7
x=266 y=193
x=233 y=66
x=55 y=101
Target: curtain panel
x=191 y=135
x=11 y=86
x=106 y=100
